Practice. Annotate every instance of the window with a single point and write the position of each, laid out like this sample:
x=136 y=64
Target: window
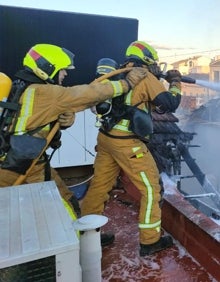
x=191 y=64
x=216 y=76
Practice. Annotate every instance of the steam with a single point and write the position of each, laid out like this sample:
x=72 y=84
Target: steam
x=211 y=85
x=205 y=123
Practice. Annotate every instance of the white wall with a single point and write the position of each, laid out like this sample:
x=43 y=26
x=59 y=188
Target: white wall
x=76 y=142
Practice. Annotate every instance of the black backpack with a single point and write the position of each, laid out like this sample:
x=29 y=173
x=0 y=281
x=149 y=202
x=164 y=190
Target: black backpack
x=140 y=121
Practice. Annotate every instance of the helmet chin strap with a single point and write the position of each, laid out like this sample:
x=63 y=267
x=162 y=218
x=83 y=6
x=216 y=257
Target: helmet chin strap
x=56 y=78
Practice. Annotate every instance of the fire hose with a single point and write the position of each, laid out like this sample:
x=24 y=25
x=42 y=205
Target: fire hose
x=56 y=127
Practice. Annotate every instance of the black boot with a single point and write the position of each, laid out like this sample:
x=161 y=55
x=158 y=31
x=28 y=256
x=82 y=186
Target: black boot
x=107 y=239
x=164 y=243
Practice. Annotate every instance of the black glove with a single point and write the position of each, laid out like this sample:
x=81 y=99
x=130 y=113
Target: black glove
x=56 y=142
x=155 y=70
x=173 y=76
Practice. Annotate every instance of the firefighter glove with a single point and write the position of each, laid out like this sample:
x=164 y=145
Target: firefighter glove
x=135 y=76
x=173 y=76
x=66 y=120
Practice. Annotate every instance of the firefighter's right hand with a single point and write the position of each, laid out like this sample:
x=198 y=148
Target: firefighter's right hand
x=135 y=76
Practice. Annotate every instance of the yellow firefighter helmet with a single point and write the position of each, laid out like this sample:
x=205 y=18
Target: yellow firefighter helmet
x=45 y=60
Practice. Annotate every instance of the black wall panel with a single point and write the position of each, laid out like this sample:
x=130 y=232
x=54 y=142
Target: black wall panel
x=90 y=37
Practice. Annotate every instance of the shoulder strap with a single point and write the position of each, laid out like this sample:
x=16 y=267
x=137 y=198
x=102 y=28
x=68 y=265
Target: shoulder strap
x=139 y=103
x=11 y=107
x=10 y=111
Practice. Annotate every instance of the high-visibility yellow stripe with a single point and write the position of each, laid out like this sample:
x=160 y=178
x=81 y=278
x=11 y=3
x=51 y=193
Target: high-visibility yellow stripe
x=118 y=89
x=70 y=212
x=46 y=127
x=123 y=125
x=105 y=80
x=175 y=90
x=151 y=225
x=149 y=197
x=139 y=155
x=135 y=149
x=147 y=224
x=26 y=111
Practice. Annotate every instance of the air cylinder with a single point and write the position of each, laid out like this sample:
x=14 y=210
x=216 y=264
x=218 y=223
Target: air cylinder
x=5 y=87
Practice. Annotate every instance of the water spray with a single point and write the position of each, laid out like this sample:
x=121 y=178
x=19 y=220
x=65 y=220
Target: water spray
x=186 y=79
x=211 y=85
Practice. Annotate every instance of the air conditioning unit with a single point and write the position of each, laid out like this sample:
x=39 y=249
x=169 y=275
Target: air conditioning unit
x=37 y=238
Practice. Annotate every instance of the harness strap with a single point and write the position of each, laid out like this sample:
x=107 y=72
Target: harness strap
x=44 y=159
x=118 y=136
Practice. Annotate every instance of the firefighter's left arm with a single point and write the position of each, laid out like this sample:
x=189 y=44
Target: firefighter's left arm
x=168 y=101
x=161 y=98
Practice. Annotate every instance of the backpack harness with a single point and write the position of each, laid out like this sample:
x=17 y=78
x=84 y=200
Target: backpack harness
x=11 y=109
x=140 y=121
x=8 y=118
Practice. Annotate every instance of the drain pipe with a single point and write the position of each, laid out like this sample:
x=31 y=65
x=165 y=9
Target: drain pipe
x=90 y=246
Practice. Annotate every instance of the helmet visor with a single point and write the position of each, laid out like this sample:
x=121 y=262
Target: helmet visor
x=71 y=57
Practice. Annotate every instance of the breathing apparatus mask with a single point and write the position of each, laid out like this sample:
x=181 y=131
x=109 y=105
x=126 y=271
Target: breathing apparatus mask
x=104 y=65
x=112 y=111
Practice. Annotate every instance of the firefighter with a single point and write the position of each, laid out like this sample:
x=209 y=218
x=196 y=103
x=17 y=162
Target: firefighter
x=123 y=147
x=43 y=101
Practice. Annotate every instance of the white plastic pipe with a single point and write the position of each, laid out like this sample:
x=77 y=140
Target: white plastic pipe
x=90 y=246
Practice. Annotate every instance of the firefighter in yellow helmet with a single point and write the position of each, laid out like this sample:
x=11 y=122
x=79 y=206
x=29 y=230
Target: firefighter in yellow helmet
x=43 y=100
x=122 y=146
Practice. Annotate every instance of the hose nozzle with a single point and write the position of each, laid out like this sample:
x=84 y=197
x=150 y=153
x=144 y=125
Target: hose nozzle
x=185 y=79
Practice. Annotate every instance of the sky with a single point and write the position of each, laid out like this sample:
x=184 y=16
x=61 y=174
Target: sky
x=176 y=29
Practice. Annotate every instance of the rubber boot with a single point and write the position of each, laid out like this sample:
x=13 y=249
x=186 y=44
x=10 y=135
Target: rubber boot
x=164 y=243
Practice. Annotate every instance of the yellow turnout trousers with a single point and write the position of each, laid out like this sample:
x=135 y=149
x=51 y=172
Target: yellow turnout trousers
x=133 y=157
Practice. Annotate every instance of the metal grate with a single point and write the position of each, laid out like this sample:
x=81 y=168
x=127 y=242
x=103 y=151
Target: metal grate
x=42 y=270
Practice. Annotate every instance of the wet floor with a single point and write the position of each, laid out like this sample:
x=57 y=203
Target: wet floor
x=121 y=261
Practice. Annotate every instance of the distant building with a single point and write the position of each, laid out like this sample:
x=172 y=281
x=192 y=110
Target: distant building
x=215 y=69
x=200 y=68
